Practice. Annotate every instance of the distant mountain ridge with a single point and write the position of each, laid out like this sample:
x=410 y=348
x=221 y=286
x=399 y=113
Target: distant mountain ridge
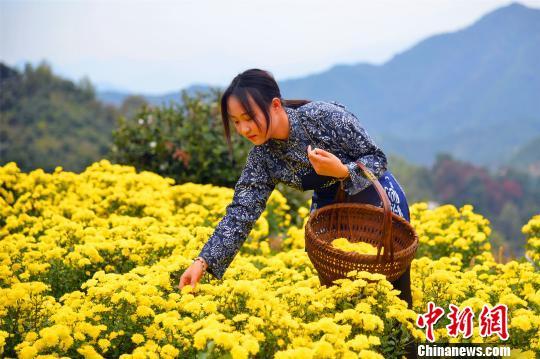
x=473 y=93
x=113 y=97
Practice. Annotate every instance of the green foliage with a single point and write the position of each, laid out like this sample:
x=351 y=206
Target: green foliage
x=416 y=181
x=183 y=141
x=48 y=121
x=295 y=200
x=507 y=198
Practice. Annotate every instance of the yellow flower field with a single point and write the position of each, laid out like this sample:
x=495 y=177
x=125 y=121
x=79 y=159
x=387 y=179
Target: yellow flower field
x=90 y=263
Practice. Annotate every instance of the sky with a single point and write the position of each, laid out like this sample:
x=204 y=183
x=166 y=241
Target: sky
x=155 y=47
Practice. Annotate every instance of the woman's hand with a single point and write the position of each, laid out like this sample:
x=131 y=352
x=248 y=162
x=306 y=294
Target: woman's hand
x=326 y=164
x=192 y=275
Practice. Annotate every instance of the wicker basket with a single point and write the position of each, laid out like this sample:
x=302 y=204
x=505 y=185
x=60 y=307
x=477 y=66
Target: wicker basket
x=394 y=237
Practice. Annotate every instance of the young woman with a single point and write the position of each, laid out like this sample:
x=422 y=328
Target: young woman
x=308 y=145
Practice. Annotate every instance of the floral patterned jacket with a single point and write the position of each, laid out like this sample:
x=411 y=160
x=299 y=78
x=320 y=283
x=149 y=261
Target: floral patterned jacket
x=326 y=125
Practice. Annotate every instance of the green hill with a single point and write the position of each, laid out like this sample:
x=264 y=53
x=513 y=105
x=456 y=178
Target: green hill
x=47 y=121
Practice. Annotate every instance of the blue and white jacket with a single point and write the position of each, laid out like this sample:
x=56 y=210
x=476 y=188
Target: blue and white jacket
x=326 y=125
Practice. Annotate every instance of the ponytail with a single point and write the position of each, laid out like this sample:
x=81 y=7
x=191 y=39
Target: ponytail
x=294 y=103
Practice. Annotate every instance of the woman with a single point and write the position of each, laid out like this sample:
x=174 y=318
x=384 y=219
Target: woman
x=308 y=145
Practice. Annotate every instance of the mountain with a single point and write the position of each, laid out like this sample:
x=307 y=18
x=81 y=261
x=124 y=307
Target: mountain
x=473 y=93
x=117 y=97
x=527 y=157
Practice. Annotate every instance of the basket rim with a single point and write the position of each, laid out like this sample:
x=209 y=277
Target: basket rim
x=398 y=254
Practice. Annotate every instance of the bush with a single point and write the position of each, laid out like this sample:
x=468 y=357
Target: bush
x=184 y=141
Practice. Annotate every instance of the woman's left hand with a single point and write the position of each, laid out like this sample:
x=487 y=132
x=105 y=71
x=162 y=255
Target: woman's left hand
x=326 y=164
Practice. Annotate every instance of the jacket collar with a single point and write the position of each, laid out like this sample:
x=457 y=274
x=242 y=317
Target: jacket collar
x=294 y=124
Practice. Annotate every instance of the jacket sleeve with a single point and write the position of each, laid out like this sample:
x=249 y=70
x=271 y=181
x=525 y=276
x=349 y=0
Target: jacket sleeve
x=356 y=142
x=249 y=201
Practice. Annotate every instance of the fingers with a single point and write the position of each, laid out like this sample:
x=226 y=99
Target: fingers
x=324 y=162
x=312 y=153
x=189 y=277
x=316 y=157
x=193 y=282
x=323 y=153
x=313 y=158
x=318 y=152
x=185 y=279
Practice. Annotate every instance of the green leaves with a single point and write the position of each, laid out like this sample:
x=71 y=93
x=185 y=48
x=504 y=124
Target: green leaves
x=183 y=141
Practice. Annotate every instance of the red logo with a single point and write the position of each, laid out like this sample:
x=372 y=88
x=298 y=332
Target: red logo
x=460 y=321
x=429 y=319
x=492 y=321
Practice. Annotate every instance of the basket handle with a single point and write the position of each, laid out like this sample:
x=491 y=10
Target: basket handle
x=386 y=241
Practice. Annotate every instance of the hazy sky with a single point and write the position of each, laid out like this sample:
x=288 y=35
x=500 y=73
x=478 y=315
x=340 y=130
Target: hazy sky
x=159 y=46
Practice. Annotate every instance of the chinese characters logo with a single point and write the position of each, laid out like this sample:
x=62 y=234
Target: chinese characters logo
x=491 y=321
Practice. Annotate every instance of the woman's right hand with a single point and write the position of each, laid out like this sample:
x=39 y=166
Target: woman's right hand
x=192 y=275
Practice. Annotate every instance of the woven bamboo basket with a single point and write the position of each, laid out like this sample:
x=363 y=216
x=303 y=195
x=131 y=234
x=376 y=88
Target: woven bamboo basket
x=394 y=237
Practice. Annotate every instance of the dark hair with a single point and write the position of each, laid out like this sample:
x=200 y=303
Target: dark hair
x=261 y=86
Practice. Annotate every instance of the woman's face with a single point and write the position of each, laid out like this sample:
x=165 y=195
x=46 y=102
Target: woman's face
x=244 y=123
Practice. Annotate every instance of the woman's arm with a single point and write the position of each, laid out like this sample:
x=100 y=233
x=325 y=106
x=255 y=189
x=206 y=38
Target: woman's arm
x=249 y=201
